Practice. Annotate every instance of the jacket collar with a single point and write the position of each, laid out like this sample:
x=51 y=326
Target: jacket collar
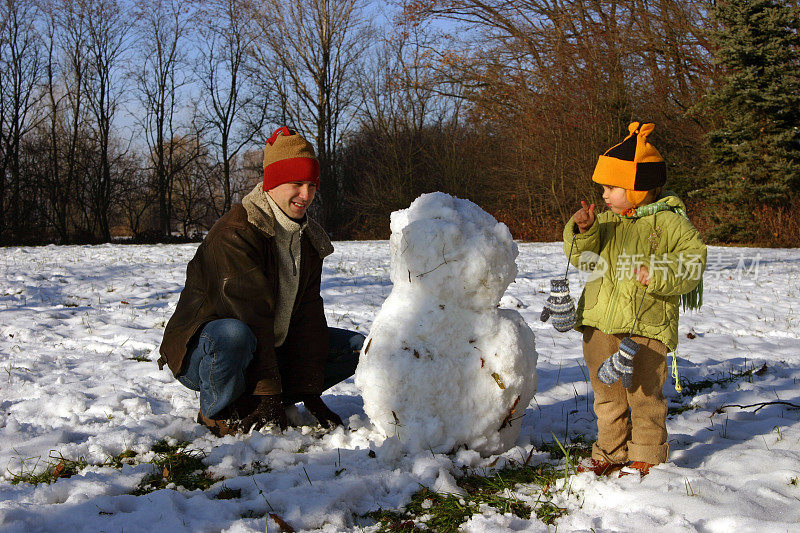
x=260 y=215
x=668 y=201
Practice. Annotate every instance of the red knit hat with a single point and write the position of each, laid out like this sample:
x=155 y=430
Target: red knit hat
x=289 y=157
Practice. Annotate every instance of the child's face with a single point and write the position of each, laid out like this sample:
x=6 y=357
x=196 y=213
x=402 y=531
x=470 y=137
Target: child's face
x=616 y=199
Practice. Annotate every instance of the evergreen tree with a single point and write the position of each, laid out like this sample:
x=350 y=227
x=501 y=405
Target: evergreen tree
x=755 y=152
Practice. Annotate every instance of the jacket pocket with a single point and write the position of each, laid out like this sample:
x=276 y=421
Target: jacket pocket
x=653 y=311
x=591 y=293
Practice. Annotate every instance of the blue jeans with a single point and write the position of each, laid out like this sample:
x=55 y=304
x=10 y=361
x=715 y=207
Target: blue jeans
x=219 y=358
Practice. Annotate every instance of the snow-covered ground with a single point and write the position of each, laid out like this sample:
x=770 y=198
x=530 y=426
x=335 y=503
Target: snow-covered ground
x=80 y=322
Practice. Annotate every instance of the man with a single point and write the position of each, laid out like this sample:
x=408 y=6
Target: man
x=249 y=331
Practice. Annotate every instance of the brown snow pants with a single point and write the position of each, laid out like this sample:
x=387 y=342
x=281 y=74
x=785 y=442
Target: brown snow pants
x=631 y=424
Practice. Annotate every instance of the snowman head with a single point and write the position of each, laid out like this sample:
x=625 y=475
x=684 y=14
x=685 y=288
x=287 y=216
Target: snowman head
x=451 y=250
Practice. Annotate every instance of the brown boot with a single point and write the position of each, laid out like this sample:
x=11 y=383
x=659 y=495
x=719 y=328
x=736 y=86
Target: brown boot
x=244 y=405
x=600 y=468
x=228 y=419
x=637 y=467
x=219 y=427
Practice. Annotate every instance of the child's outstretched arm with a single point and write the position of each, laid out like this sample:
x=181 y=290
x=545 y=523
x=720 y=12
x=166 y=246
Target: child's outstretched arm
x=582 y=227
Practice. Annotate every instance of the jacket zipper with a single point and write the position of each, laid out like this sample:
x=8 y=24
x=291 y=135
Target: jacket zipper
x=291 y=253
x=612 y=307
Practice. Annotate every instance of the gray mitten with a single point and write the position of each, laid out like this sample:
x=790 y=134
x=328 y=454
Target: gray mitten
x=620 y=365
x=559 y=305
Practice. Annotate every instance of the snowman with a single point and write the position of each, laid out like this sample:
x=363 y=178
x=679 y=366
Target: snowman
x=443 y=366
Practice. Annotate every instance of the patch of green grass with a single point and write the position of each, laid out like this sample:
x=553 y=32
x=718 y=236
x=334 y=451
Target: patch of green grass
x=178 y=464
x=443 y=512
x=256 y=467
x=140 y=358
x=496 y=490
x=506 y=478
x=579 y=447
x=548 y=512
x=446 y=512
x=119 y=460
x=57 y=467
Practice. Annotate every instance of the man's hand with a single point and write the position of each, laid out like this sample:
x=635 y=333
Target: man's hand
x=326 y=417
x=269 y=411
x=643 y=275
x=584 y=218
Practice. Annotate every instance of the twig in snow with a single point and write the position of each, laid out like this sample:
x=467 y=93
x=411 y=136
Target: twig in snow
x=444 y=262
x=282 y=525
x=758 y=406
x=507 y=420
x=530 y=454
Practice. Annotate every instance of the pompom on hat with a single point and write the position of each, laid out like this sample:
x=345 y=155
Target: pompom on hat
x=289 y=157
x=634 y=164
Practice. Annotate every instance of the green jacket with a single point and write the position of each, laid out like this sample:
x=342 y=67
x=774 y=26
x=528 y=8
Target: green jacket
x=665 y=242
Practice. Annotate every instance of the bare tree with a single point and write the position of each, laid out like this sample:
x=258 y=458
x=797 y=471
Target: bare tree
x=67 y=117
x=160 y=76
x=384 y=167
x=107 y=29
x=20 y=78
x=310 y=52
x=135 y=195
x=192 y=196
x=64 y=112
x=560 y=80
x=236 y=107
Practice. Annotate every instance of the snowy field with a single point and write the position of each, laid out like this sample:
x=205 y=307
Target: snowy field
x=80 y=390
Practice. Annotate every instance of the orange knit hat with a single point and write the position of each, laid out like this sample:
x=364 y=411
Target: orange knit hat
x=289 y=157
x=634 y=164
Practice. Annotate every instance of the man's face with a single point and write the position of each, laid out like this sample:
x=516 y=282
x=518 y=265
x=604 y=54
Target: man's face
x=294 y=197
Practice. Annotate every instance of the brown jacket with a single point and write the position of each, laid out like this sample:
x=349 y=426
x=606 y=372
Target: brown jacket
x=234 y=275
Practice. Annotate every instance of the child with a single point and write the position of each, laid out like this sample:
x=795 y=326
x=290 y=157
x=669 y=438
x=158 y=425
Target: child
x=653 y=257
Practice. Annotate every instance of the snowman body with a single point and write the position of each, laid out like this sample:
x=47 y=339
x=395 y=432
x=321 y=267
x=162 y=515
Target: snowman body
x=443 y=366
